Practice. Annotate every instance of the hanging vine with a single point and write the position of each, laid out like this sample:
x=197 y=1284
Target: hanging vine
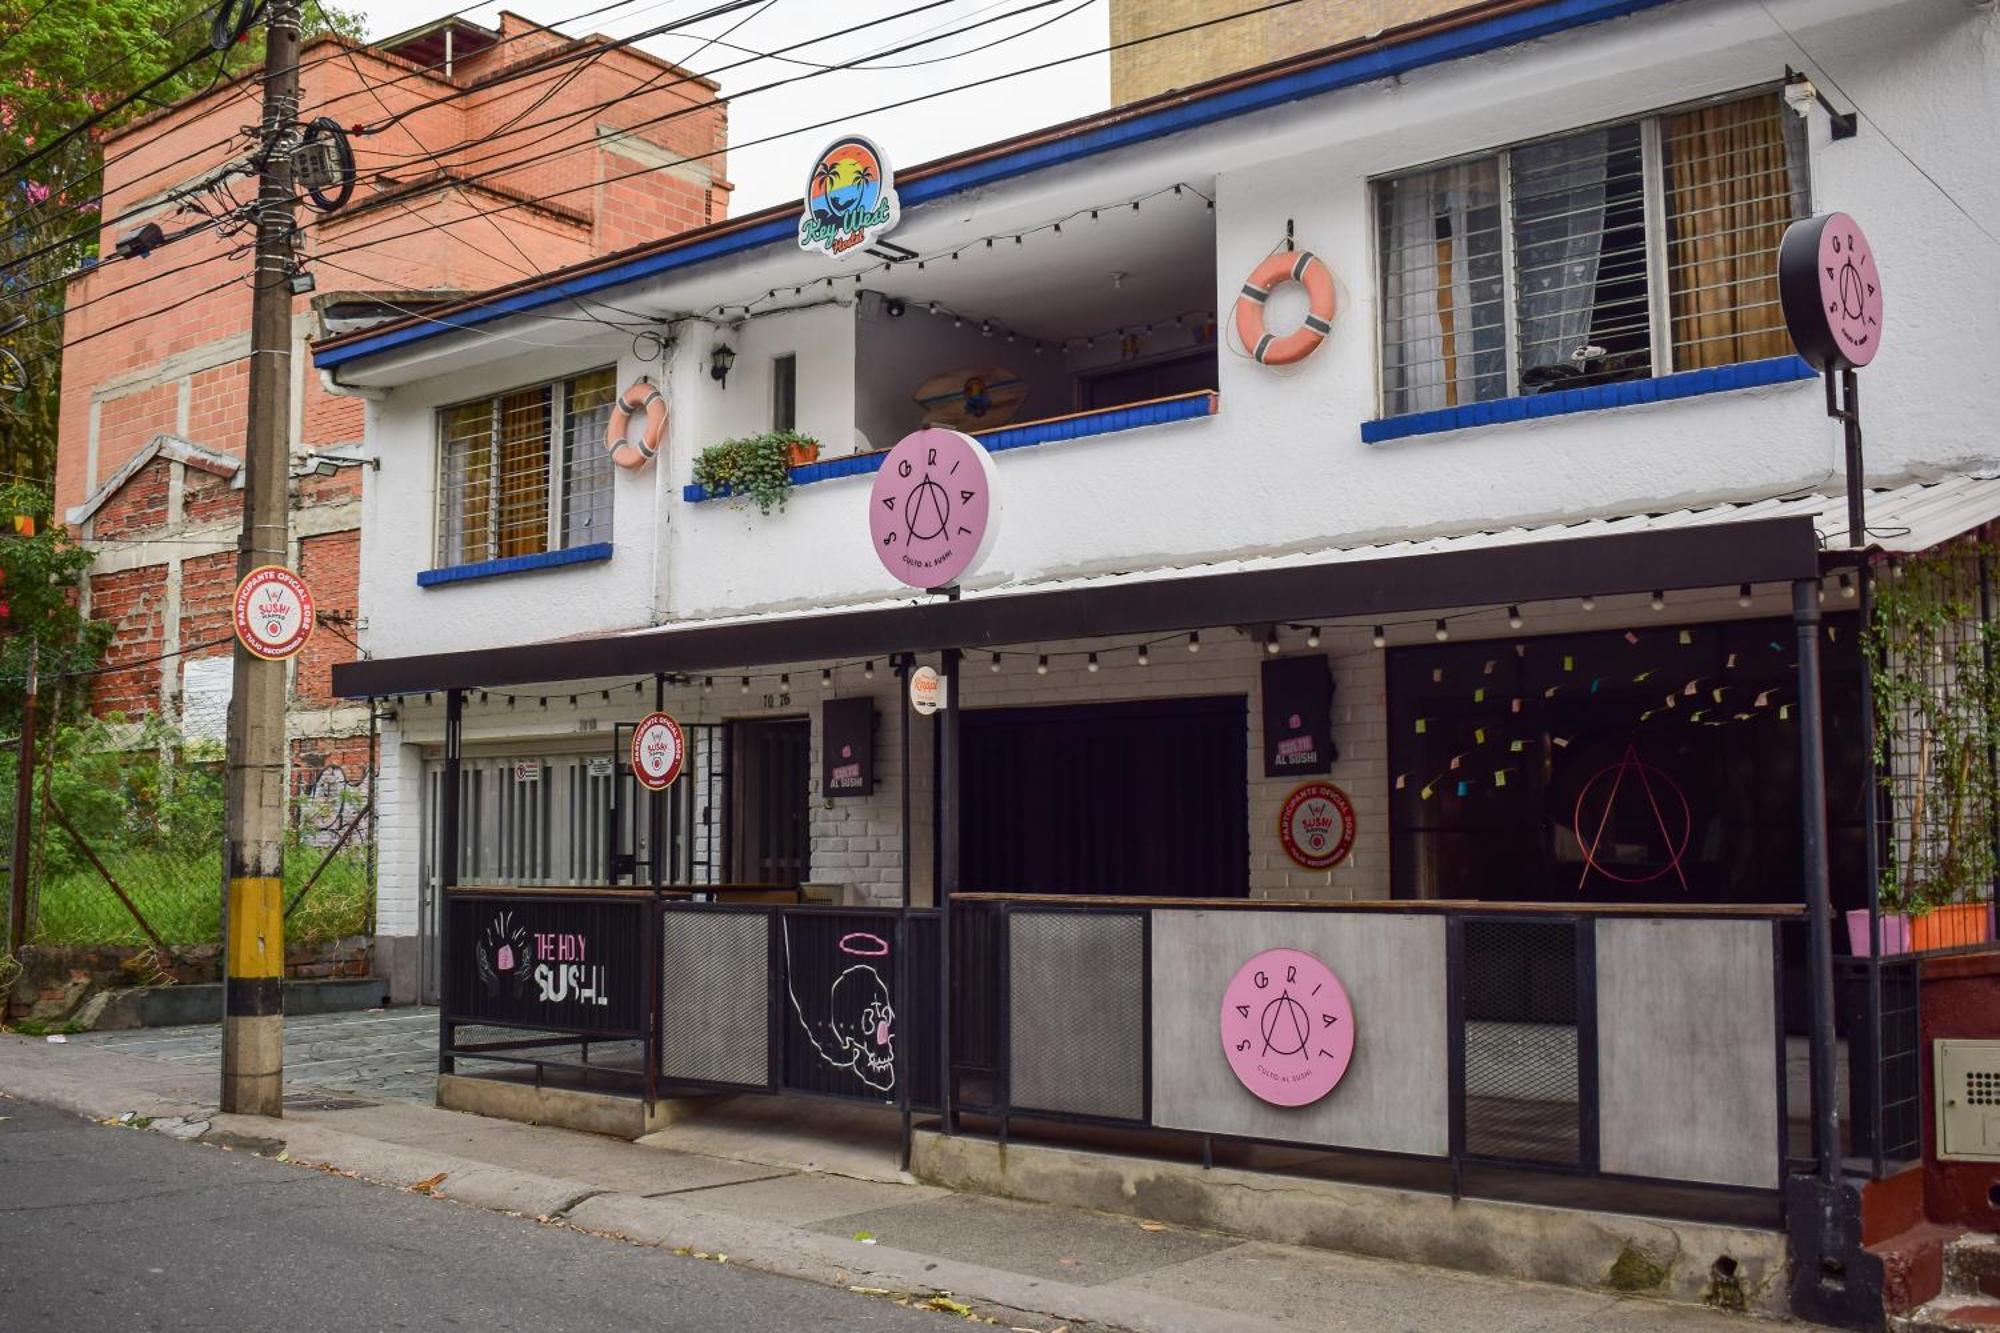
x=1933 y=652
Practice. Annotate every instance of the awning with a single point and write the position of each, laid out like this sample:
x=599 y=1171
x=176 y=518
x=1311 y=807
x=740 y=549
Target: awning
x=1766 y=541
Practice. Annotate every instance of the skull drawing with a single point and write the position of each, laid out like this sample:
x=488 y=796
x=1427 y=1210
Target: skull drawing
x=862 y=1026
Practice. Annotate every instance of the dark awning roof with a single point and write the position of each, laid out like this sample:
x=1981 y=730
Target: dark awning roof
x=1374 y=583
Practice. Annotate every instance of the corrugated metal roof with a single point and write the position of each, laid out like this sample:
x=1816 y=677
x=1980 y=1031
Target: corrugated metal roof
x=1908 y=517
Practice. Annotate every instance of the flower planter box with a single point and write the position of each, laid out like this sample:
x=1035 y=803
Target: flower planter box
x=1895 y=933
x=1952 y=926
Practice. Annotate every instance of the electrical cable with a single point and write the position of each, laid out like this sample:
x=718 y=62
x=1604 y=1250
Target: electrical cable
x=97 y=118
x=23 y=25
x=909 y=101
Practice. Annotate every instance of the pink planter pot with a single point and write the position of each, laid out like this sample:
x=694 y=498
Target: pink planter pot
x=1895 y=933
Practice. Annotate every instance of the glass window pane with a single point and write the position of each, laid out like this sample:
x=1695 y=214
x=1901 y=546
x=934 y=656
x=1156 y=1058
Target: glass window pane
x=1580 y=260
x=1443 y=303
x=1736 y=177
x=784 y=392
x=465 y=508
x=587 y=468
x=523 y=473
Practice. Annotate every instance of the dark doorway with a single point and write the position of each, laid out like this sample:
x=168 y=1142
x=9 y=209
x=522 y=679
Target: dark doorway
x=1124 y=798
x=772 y=843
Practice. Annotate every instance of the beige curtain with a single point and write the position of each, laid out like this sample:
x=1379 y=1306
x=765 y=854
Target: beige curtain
x=1732 y=190
x=524 y=473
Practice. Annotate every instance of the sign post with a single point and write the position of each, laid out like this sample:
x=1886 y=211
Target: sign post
x=1831 y=291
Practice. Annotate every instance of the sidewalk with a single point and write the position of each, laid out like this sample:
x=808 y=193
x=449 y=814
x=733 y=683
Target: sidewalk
x=1026 y=1266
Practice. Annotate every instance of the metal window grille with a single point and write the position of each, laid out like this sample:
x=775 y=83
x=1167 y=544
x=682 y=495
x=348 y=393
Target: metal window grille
x=525 y=472
x=1521 y=1047
x=1614 y=253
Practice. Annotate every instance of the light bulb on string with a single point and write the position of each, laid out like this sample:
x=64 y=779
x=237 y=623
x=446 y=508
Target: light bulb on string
x=1271 y=641
x=1091 y=665
x=1145 y=657
x=1589 y=603
x=1312 y=637
x=1513 y=617
x=1194 y=641
x=1042 y=665
x=746 y=685
x=825 y=677
x=1442 y=632
x=994 y=666
x=1659 y=602
x=868 y=669
x=1743 y=595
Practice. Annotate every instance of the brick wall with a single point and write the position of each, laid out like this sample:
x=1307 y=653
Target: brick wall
x=208 y=595
x=331 y=567
x=1241 y=43
x=134 y=602
x=207 y=498
x=140 y=505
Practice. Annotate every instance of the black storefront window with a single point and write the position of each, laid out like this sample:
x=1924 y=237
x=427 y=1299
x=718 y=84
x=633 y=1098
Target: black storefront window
x=1555 y=769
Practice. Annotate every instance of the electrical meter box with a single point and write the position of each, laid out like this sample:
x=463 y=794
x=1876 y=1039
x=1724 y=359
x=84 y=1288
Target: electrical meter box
x=1968 y=1099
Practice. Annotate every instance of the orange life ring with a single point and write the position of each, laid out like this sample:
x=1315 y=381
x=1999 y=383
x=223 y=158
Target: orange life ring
x=625 y=451
x=1301 y=266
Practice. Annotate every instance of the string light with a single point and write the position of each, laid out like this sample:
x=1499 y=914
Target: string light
x=1513 y=617
x=1145 y=657
x=1379 y=638
x=1271 y=641
x=1847 y=585
x=825 y=677
x=1589 y=603
x=1312 y=637
x=1091 y=665
x=1443 y=631
x=746 y=685
x=1042 y=665
x=1659 y=602
x=707 y=684
x=1743 y=595
x=995 y=666
x=1194 y=641
x=868 y=670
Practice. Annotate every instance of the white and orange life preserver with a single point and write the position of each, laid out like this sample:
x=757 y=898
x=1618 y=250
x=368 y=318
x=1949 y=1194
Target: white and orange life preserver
x=626 y=451
x=1301 y=266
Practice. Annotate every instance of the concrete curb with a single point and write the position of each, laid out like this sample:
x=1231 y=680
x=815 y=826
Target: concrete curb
x=179 y=1006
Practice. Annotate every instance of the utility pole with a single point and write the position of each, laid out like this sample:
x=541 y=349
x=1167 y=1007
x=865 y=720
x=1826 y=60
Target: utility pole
x=24 y=795
x=254 y=849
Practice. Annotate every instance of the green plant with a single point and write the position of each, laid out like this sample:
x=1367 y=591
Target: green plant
x=757 y=467
x=1934 y=662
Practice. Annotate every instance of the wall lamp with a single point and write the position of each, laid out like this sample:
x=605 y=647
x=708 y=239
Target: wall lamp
x=325 y=465
x=1801 y=93
x=719 y=362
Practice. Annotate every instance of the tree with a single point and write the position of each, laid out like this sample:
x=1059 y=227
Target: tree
x=60 y=65
x=40 y=577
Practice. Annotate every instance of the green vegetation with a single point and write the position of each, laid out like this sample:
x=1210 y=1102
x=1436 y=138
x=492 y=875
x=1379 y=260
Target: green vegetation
x=758 y=467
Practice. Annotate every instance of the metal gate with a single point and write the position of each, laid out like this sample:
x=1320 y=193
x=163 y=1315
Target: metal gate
x=567 y=819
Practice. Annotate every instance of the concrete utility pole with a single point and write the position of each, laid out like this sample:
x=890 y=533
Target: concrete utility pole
x=24 y=795
x=254 y=850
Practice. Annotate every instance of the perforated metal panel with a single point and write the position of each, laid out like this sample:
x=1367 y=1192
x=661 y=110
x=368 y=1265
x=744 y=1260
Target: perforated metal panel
x=1968 y=1098
x=715 y=1015
x=1077 y=1013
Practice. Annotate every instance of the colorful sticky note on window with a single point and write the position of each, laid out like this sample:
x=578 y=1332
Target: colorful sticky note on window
x=1479 y=695
x=1631 y=638
x=1686 y=638
x=1833 y=633
x=1731 y=662
x=1595 y=681
x=1487 y=670
x=1695 y=716
x=1426 y=792
x=1764 y=699
x=1479 y=735
x=1776 y=647
x=1784 y=710
x=1520 y=650
x=1423 y=725
x=1640 y=679
x=1689 y=688
x=1550 y=692
x=1464 y=787
x=1569 y=663
x=1518 y=746
x=1402 y=781
x=1561 y=742
x=1455 y=760
x=1648 y=713
x=1500 y=778
x=1437 y=674
x=1516 y=707
x=1717 y=693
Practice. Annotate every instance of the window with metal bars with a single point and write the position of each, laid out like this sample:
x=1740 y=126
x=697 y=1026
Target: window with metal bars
x=1615 y=253
x=525 y=472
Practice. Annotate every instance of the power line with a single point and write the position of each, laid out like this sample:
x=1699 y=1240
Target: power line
x=23 y=25
x=508 y=207
x=98 y=118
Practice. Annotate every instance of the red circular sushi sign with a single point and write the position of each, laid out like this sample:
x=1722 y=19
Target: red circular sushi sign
x=274 y=612
x=1316 y=825
x=658 y=750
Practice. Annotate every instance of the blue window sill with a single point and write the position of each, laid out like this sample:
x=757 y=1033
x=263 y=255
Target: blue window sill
x=514 y=564
x=1105 y=421
x=1686 y=384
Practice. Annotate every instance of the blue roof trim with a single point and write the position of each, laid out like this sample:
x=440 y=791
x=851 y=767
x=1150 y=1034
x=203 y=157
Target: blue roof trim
x=1455 y=44
x=1686 y=384
x=1106 y=422
x=514 y=564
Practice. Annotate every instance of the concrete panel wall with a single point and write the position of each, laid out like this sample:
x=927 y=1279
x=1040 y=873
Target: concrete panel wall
x=1687 y=1049
x=1394 y=1096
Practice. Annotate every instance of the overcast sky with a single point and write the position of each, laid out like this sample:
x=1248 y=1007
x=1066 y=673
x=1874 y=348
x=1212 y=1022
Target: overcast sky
x=767 y=172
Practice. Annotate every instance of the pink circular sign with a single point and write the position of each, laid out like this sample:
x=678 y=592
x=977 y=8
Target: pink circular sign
x=932 y=513
x=1831 y=291
x=1287 y=1027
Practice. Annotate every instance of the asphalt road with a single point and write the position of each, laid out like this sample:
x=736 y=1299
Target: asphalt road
x=107 y=1228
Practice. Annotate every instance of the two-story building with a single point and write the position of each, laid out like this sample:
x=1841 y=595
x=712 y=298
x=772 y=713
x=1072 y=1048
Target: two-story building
x=1479 y=618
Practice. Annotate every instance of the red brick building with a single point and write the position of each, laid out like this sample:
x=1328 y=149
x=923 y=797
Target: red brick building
x=520 y=123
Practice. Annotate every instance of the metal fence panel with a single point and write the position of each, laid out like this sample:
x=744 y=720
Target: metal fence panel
x=1076 y=1012
x=715 y=996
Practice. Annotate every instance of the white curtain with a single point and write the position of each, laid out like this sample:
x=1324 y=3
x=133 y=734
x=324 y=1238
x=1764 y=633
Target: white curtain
x=1440 y=290
x=1559 y=192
